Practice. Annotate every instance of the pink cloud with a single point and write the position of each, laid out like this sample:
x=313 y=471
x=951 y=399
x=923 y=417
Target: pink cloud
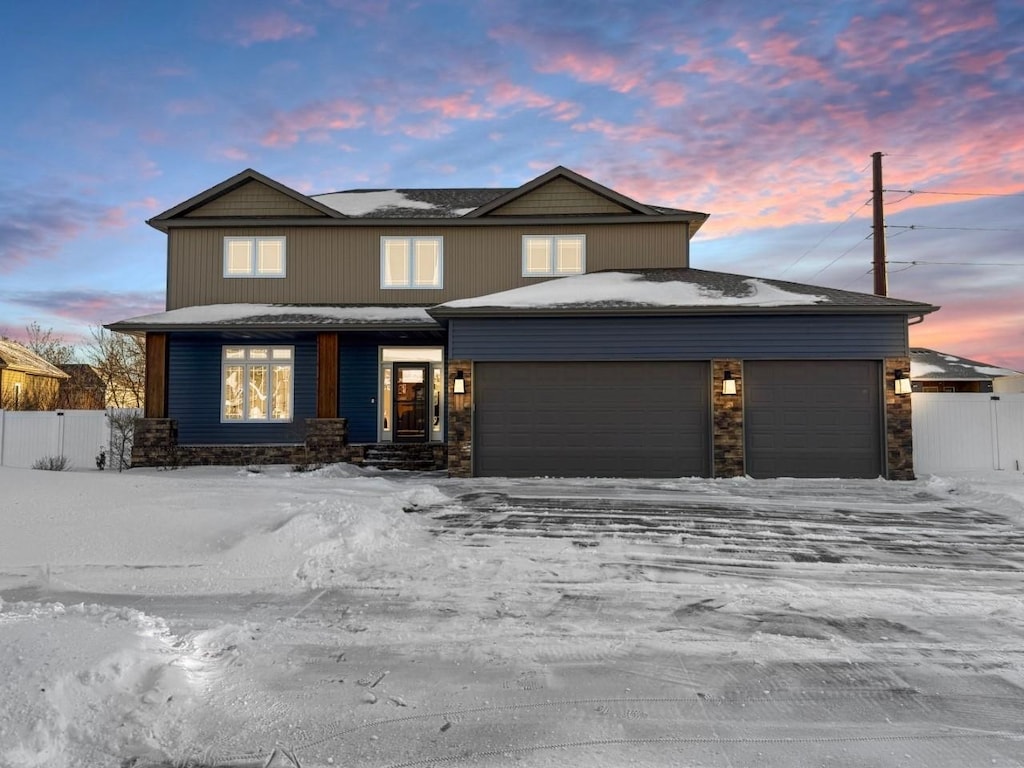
x=234 y=153
x=979 y=63
x=940 y=19
x=593 y=68
x=579 y=60
x=781 y=51
x=272 y=27
x=989 y=334
x=508 y=94
x=314 y=122
x=667 y=94
x=459 y=107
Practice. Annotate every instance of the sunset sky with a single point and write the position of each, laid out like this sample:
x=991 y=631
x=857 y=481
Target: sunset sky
x=764 y=115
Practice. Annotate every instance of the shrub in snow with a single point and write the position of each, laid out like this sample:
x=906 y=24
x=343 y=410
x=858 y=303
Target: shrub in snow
x=53 y=463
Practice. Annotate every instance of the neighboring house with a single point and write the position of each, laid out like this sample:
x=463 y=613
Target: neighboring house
x=27 y=381
x=555 y=328
x=84 y=389
x=932 y=371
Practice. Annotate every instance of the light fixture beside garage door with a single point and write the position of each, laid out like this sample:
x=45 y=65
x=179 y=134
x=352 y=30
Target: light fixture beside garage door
x=728 y=384
x=459 y=385
x=902 y=382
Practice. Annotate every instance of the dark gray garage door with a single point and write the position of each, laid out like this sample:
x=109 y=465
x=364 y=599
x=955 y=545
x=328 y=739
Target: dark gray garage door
x=636 y=419
x=813 y=418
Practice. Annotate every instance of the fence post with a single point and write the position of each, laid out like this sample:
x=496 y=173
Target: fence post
x=994 y=411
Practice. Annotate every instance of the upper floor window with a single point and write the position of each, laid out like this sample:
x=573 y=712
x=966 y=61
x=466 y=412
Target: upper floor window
x=549 y=255
x=254 y=257
x=411 y=262
x=256 y=384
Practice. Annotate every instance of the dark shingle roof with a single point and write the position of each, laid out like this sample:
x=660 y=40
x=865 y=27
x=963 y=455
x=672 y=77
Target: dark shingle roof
x=931 y=364
x=432 y=203
x=678 y=290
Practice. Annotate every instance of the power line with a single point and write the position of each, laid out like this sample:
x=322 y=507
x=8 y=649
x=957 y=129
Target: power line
x=868 y=237
x=958 y=263
x=958 y=229
x=826 y=237
x=956 y=194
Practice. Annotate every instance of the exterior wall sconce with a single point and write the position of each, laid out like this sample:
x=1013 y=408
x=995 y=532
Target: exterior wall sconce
x=902 y=382
x=459 y=385
x=728 y=384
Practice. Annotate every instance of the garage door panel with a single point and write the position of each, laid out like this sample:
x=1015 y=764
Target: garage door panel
x=813 y=418
x=591 y=419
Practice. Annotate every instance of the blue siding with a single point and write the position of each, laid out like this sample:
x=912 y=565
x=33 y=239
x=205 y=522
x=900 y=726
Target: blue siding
x=764 y=337
x=358 y=391
x=194 y=392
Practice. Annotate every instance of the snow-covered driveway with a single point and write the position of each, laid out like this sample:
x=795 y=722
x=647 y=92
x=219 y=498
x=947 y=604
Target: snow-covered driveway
x=436 y=622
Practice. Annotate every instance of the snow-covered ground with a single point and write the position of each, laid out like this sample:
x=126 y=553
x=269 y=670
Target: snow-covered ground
x=343 y=617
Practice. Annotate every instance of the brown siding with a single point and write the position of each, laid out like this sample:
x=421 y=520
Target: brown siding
x=253 y=199
x=559 y=196
x=342 y=264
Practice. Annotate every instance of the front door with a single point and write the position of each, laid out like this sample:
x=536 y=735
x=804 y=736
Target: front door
x=411 y=424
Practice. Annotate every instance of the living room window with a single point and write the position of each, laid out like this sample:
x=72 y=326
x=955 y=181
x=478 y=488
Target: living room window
x=257 y=384
x=254 y=257
x=552 y=255
x=411 y=262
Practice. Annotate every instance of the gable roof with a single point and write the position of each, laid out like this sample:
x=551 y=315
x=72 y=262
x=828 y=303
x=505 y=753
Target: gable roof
x=17 y=357
x=674 y=291
x=229 y=185
x=939 y=366
x=564 y=173
x=448 y=205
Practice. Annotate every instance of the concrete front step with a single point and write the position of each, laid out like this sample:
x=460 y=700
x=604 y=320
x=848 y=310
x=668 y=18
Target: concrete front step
x=417 y=457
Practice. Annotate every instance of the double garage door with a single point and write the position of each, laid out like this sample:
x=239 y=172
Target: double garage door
x=653 y=419
x=593 y=419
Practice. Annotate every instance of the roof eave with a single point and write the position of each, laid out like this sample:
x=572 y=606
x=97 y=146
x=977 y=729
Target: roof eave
x=129 y=327
x=596 y=311
x=695 y=220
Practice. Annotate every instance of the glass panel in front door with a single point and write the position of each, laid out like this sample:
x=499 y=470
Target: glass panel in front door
x=410 y=401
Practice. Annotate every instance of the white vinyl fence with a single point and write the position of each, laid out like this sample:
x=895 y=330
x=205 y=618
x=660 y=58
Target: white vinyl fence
x=79 y=436
x=955 y=432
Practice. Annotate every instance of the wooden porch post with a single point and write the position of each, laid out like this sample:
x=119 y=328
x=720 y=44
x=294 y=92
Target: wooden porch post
x=156 y=376
x=327 y=376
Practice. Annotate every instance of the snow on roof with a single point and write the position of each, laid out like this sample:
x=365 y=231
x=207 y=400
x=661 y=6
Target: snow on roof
x=282 y=314
x=929 y=364
x=363 y=203
x=617 y=289
x=18 y=357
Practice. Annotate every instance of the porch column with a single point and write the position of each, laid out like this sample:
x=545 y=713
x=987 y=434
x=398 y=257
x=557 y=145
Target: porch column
x=727 y=418
x=899 y=427
x=156 y=376
x=460 y=420
x=327 y=376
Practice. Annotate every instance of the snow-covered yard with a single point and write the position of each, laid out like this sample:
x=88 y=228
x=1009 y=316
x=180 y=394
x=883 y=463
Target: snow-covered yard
x=353 y=618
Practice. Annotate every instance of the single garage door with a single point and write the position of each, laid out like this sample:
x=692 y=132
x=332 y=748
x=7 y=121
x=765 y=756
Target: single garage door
x=592 y=419
x=813 y=418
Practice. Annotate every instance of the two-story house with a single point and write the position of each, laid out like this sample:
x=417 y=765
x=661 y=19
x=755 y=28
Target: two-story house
x=555 y=328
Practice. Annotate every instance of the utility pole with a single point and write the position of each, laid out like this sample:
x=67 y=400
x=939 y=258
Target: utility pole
x=878 y=225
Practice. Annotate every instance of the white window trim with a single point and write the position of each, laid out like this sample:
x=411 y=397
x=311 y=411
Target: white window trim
x=254 y=269
x=552 y=241
x=411 y=265
x=247 y=362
